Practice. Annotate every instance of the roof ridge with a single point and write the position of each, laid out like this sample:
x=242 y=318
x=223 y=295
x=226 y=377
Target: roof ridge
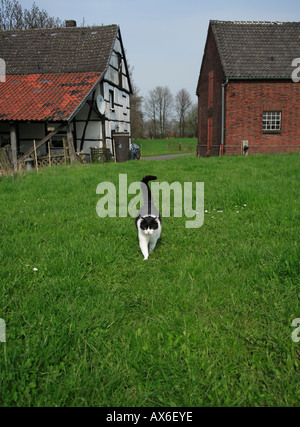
x=254 y=22
x=57 y=28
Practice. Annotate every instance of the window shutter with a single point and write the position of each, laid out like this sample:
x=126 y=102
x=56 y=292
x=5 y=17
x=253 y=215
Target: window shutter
x=210 y=89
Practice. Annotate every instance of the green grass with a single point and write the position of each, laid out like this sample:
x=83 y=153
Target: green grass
x=206 y=321
x=156 y=147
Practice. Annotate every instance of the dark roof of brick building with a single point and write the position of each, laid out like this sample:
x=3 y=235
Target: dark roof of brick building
x=57 y=50
x=257 y=49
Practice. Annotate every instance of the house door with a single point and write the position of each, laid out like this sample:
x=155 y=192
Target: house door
x=121 y=146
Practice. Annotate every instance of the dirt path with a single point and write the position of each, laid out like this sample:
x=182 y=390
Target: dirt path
x=167 y=156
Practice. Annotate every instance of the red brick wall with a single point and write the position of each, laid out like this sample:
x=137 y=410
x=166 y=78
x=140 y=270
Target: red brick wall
x=245 y=103
x=210 y=108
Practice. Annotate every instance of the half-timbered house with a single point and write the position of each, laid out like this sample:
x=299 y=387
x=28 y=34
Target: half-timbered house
x=64 y=83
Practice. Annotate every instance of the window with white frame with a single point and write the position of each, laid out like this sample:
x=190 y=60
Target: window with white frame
x=271 y=121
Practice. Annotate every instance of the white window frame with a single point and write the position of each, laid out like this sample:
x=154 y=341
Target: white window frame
x=271 y=122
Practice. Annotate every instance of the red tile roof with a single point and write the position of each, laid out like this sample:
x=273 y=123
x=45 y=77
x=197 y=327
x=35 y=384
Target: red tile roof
x=45 y=97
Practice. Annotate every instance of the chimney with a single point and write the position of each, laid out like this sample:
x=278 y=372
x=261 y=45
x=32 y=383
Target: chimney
x=70 y=23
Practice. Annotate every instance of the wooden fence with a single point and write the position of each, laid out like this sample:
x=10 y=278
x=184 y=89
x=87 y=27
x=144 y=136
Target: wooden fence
x=181 y=146
x=52 y=158
x=100 y=155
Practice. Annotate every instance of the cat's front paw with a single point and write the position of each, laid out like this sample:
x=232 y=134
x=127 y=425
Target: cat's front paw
x=145 y=259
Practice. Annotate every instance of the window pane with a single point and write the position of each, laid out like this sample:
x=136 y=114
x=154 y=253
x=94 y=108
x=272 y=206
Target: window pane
x=272 y=120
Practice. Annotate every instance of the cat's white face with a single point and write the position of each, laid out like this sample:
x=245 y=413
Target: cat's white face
x=149 y=225
x=149 y=231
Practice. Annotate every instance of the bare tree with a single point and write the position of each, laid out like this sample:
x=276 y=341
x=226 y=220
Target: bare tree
x=13 y=17
x=36 y=18
x=150 y=107
x=192 y=122
x=183 y=104
x=136 y=114
x=158 y=109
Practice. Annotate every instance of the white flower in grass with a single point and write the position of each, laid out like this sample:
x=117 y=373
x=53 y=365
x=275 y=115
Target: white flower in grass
x=206 y=210
x=237 y=211
x=245 y=205
x=35 y=269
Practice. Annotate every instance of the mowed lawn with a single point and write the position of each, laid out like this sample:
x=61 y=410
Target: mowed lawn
x=206 y=321
x=156 y=147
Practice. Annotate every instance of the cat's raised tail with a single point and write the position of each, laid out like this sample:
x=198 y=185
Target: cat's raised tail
x=148 y=208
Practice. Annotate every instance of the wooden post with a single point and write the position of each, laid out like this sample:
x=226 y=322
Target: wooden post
x=49 y=153
x=115 y=153
x=103 y=133
x=35 y=155
x=72 y=152
x=13 y=143
x=65 y=150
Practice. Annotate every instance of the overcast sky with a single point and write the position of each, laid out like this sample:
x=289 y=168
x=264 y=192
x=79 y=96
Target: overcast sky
x=165 y=39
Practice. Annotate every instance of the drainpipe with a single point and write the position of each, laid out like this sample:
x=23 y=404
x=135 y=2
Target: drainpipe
x=223 y=117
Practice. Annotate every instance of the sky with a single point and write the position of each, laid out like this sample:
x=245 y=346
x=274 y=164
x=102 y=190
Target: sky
x=165 y=39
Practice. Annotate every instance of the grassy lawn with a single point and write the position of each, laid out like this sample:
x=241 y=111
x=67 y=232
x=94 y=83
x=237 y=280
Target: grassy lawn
x=205 y=321
x=156 y=147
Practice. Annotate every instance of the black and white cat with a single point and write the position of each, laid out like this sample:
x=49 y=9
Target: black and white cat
x=148 y=220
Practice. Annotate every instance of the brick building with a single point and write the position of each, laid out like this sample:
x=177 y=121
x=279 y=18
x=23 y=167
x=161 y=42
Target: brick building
x=248 y=100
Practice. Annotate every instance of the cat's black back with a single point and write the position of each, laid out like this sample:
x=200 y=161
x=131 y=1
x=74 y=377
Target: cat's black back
x=148 y=211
